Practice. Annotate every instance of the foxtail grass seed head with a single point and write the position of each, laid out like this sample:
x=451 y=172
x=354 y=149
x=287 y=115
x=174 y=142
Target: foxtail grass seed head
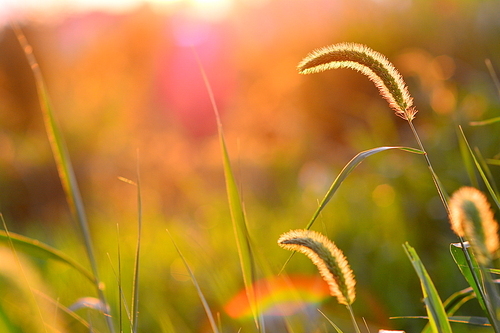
x=373 y=64
x=471 y=218
x=331 y=262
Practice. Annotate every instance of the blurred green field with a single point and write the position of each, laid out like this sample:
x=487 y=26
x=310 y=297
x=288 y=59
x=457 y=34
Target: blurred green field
x=127 y=90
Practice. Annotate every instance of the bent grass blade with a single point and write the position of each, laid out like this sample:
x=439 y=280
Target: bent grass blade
x=38 y=249
x=65 y=309
x=346 y=171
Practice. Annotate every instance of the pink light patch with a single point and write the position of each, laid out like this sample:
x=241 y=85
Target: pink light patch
x=280 y=296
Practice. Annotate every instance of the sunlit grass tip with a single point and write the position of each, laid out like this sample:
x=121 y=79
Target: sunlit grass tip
x=373 y=64
x=331 y=262
x=471 y=218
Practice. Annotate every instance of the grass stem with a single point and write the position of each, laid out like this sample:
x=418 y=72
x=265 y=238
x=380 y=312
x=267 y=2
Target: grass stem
x=444 y=199
x=353 y=318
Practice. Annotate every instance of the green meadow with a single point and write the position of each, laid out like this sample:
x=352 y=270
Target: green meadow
x=156 y=166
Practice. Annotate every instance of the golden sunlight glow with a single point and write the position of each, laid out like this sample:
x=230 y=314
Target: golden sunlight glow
x=205 y=9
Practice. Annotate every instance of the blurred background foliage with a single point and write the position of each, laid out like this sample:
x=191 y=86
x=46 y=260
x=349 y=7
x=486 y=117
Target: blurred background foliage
x=127 y=90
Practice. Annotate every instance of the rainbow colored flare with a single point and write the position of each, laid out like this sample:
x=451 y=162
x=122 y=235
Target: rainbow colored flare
x=280 y=296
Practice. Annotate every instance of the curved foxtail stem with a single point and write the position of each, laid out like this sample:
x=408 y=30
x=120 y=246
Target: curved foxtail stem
x=373 y=64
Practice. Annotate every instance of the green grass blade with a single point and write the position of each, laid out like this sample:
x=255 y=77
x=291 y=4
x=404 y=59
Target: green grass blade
x=488 y=297
x=487 y=172
x=458 y=256
x=493 y=161
x=457 y=299
x=240 y=229
x=122 y=303
x=493 y=74
x=471 y=320
x=438 y=319
x=485 y=122
x=243 y=241
x=485 y=179
x=468 y=161
x=66 y=310
x=135 y=284
x=63 y=162
x=41 y=250
x=347 y=170
x=197 y=286
x=453 y=303
x=337 y=329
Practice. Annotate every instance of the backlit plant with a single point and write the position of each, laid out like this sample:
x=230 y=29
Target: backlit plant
x=470 y=214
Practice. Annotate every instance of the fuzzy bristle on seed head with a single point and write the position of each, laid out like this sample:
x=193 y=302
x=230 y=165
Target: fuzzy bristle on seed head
x=373 y=64
x=331 y=262
x=471 y=218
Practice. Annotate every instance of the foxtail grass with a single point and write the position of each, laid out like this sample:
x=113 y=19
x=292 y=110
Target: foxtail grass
x=471 y=218
x=382 y=73
x=393 y=89
x=330 y=261
x=373 y=64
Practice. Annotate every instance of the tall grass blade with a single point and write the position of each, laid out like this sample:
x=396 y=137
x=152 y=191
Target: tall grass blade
x=454 y=302
x=485 y=179
x=468 y=161
x=484 y=165
x=493 y=75
x=243 y=241
x=485 y=122
x=483 y=296
x=337 y=329
x=63 y=163
x=135 y=285
x=197 y=286
x=122 y=303
x=438 y=318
